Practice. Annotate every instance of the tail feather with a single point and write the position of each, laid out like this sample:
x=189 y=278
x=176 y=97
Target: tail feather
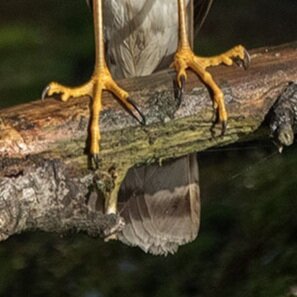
x=161 y=206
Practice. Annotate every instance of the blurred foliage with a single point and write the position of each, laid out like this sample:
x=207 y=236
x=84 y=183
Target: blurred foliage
x=247 y=244
x=34 y=39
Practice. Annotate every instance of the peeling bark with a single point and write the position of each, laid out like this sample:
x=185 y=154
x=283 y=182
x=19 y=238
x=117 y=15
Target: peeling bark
x=45 y=180
x=48 y=198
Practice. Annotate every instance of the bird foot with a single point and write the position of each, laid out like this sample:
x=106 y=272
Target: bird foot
x=185 y=58
x=68 y=92
x=99 y=82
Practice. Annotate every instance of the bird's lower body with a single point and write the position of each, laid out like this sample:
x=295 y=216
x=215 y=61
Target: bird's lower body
x=149 y=34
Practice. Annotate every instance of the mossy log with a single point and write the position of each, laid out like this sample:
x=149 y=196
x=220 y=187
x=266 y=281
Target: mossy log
x=45 y=176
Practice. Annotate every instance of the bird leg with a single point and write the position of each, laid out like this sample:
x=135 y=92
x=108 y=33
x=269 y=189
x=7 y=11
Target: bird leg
x=100 y=81
x=185 y=58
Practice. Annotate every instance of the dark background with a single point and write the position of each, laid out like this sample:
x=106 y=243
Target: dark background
x=248 y=239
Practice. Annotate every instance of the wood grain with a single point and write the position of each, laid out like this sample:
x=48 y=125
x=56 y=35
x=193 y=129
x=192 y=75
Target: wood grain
x=44 y=144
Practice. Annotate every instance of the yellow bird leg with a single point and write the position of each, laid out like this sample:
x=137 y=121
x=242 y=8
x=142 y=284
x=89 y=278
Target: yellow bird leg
x=185 y=58
x=100 y=81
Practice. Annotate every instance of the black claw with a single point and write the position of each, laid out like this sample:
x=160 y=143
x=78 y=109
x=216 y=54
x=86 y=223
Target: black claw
x=95 y=161
x=224 y=127
x=181 y=89
x=44 y=92
x=246 y=60
x=239 y=62
x=138 y=115
x=212 y=130
x=215 y=123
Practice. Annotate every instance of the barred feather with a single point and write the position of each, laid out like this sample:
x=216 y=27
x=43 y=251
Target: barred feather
x=161 y=205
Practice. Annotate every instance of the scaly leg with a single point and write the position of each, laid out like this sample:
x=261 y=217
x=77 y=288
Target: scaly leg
x=185 y=58
x=101 y=80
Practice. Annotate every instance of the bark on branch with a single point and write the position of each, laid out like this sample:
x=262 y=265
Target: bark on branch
x=45 y=180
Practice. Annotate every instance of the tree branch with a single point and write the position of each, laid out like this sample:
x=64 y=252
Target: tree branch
x=45 y=180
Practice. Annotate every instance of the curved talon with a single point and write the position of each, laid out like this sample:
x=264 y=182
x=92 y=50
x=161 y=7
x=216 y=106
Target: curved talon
x=138 y=115
x=246 y=60
x=224 y=127
x=45 y=92
x=217 y=121
x=238 y=62
x=213 y=128
x=95 y=161
x=243 y=62
x=181 y=87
